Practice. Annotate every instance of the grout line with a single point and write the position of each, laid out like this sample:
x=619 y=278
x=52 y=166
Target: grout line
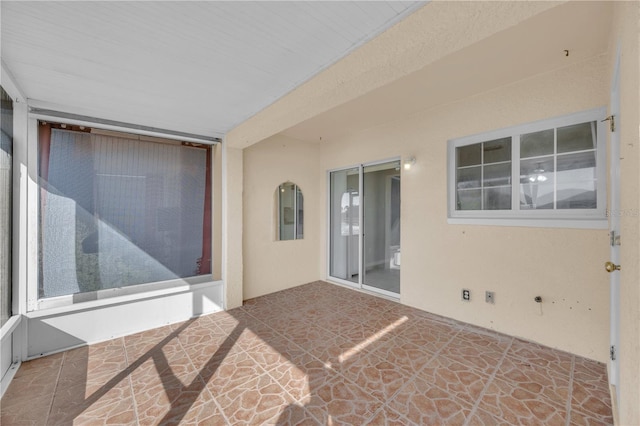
x=55 y=389
x=133 y=395
x=570 y=392
x=204 y=388
x=414 y=375
x=486 y=387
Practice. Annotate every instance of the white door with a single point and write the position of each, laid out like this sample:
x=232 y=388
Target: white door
x=614 y=232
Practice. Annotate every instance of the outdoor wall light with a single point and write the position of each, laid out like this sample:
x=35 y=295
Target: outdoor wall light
x=409 y=162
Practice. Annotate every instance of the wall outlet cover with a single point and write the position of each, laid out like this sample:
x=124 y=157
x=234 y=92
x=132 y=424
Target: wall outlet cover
x=466 y=295
x=489 y=297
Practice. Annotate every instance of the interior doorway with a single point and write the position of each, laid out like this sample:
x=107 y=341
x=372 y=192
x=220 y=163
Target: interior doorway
x=364 y=226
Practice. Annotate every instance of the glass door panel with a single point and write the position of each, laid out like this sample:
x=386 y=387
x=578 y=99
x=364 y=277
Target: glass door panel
x=344 y=220
x=381 y=217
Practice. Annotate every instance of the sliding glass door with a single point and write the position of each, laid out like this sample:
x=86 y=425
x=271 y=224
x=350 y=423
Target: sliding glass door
x=345 y=225
x=364 y=248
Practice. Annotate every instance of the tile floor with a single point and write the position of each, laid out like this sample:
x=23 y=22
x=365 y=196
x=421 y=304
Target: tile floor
x=317 y=354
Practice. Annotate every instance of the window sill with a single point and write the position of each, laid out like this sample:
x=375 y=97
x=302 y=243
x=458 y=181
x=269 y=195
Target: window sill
x=65 y=304
x=533 y=222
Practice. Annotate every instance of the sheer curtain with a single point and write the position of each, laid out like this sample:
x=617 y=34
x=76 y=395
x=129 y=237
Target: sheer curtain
x=116 y=212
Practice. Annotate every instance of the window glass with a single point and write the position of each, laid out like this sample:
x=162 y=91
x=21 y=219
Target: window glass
x=537 y=182
x=470 y=155
x=578 y=137
x=487 y=185
x=536 y=144
x=116 y=212
x=6 y=194
x=497 y=151
x=555 y=163
x=290 y=211
x=577 y=181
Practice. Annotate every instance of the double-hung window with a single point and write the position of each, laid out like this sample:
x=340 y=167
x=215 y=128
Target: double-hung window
x=547 y=173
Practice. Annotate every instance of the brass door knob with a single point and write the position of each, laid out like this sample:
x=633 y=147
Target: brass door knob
x=610 y=266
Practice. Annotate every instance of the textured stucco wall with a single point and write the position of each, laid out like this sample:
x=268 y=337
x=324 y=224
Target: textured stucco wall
x=271 y=265
x=564 y=266
x=232 y=226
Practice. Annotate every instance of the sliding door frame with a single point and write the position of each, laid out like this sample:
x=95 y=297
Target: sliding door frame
x=360 y=284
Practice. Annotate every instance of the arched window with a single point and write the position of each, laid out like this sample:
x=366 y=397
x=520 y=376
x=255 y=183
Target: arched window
x=290 y=215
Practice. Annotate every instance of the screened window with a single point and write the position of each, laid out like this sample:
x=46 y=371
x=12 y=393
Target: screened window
x=544 y=170
x=6 y=170
x=116 y=211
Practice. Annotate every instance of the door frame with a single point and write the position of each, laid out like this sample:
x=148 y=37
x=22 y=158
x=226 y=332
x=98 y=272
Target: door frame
x=359 y=285
x=614 y=226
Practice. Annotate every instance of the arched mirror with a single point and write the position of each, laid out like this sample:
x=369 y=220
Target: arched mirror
x=290 y=217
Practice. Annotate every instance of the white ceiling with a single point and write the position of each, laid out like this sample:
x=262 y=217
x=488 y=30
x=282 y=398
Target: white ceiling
x=197 y=67
x=533 y=47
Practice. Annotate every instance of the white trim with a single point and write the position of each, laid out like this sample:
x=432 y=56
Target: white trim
x=71 y=302
x=614 y=226
x=9 y=84
x=33 y=227
x=567 y=218
x=532 y=223
x=53 y=331
x=372 y=289
x=10 y=326
x=8 y=377
x=116 y=300
x=97 y=123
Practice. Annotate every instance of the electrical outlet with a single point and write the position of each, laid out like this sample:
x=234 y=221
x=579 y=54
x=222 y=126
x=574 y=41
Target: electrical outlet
x=466 y=295
x=489 y=297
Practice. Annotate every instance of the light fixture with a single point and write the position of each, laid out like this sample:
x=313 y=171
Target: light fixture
x=409 y=162
x=538 y=176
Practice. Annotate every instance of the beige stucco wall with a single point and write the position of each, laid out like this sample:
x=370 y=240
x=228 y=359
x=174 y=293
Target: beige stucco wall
x=564 y=266
x=271 y=265
x=626 y=35
x=232 y=226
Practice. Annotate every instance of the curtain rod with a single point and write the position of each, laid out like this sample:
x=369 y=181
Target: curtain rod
x=120 y=126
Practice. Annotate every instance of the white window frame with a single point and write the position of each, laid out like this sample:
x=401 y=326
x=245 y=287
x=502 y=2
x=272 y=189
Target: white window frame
x=562 y=218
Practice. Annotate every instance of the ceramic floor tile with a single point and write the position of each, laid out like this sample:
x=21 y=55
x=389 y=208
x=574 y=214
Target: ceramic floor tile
x=584 y=419
x=454 y=378
x=482 y=340
x=260 y=400
x=482 y=418
x=232 y=371
x=552 y=359
x=309 y=336
x=545 y=383
x=301 y=376
x=71 y=404
x=337 y=351
x=422 y=403
x=315 y=354
x=403 y=354
x=428 y=334
x=116 y=413
x=472 y=357
x=590 y=397
x=388 y=417
x=340 y=402
x=378 y=377
x=517 y=405
x=20 y=410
